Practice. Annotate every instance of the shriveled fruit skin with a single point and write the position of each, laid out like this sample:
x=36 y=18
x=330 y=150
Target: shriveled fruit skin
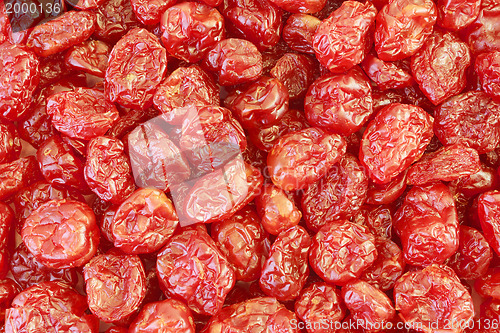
x=454 y=15
x=394 y=139
x=90 y=57
x=473 y=257
x=471 y=118
x=190 y=29
x=276 y=210
x=258 y=21
x=191 y=268
x=107 y=169
x=339 y=103
x=387 y=268
x=28 y=271
x=18 y=174
x=298 y=32
x=253 y=315
x=427 y=225
x=61 y=165
x=489 y=215
x=263 y=103
x=481 y=35
x=61 y=33
x=19 y=69
x=7 y=219
x=285 y=272
x=223 y=193
x=338 y=195
x=134 y=85
x=186 y=86
x=115 y=285
x=50 y=307
x=235 y=61
x=433 y=296
x=341 y=41
x=169 y=316
x=244 y=242
x=83 y=113
x=368 y=304
x=61 y=233
x=302 y=157
x=439 y=67
x=445 y=164
x=402 y=27
x=487 y=67
x=320 y=302
x=144 y=222
x=341 y=250
x=10 y=142
x=114 y=18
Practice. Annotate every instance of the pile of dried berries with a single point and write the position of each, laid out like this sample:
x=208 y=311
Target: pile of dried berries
x=252 y=166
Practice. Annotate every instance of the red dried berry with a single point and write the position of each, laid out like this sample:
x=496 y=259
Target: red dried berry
x=82 y=113
x=191 y=268
x=488 y=205
x=258 y=21
x=342 y=40
x=320 y=303
x=149 y=12
x=341 y=250
x=107 y=169
x=402 y=27
x=18 y=174
x=487 y=67
x=61 y=233
x=60 y=165
x=298 y=32
x=471 y=119
x=454 y=15
x=286 y=270
x=59 y=34
x=387 y=268
x=254 y=315
x=394 y=139
x=134 y=85
x=445 y=164
x=276 y=210
x=28 y=271
x=222 y=192
x=10 y=143
x=338 y=195
x=433 y=297
x=50 y=306
x=186 y=86
x=387 y=75
x=440 y=77
x=473 y=257
x=114 y=18
x=262 y=104
x=235 y=61
x=368 y=305
x=427 y=225
x=144 y=222
x=190 y=29
x=115 y=285
x=169 y=316
x=300 y=158
x=339 y=103
x=89 y=57
x=19 y=75
x=244 y=242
